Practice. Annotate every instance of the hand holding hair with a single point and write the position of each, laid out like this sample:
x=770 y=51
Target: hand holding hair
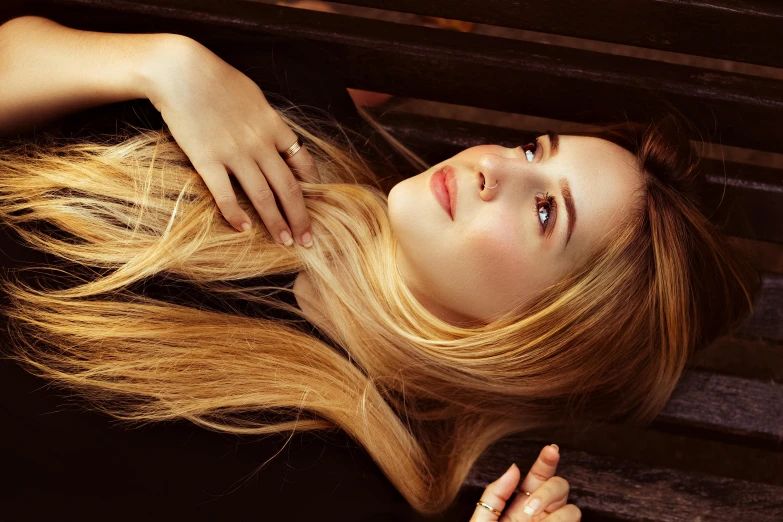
x=221 y=119
x=542 y=496
x=218 y=116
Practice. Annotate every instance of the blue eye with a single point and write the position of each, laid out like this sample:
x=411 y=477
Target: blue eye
x=545 y=207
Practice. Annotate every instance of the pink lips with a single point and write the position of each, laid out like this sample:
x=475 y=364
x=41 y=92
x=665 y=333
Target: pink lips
x=444 y=185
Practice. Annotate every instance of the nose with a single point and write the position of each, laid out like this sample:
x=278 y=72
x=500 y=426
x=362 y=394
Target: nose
x=492 y=171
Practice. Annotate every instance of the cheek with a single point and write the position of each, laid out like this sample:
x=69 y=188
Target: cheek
x=497 y=251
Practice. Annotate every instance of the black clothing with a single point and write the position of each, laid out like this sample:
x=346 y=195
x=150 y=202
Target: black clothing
x=60 y=460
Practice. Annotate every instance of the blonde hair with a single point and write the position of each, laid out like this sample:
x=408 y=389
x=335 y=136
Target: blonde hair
x=424 y=398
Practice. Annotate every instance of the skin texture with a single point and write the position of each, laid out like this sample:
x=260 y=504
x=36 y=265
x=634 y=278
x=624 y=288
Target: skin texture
x=494 y=253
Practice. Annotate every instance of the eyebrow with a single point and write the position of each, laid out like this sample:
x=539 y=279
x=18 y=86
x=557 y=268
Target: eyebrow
x=554 y=142
x=565 y=187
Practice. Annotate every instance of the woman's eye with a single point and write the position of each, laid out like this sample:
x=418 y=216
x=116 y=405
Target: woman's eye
x=530 y=150
x=545 y=207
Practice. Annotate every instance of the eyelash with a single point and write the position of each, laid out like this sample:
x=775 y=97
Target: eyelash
x=549 y=200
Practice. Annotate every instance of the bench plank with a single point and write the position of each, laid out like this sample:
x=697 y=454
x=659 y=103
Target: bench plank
x=698 y=28
x=725 y=408
x=766 y=321
x=608 y=488
x=461 y=68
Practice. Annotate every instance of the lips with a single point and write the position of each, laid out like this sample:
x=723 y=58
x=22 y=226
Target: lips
x=444 y=186
x=451 y=185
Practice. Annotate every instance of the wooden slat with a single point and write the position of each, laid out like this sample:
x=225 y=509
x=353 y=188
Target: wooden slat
x=767 y=319
x=699 y=28
x=607 y=488
x=725 y=408
x=461 y=68
x=749 y=206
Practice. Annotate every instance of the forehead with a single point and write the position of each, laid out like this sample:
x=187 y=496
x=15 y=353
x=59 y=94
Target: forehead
x=604 y=179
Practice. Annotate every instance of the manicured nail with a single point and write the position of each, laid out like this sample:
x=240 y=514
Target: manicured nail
x=557 y=448
x=285 y=238
x=245 y=227
x=307 y=239
x=532 y=506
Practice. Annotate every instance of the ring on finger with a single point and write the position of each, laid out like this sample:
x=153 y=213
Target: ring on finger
x=485 y=505
x=293 y=149
x=493 y=510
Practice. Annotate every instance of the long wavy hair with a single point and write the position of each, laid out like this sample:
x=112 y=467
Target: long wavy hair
x=423 y=397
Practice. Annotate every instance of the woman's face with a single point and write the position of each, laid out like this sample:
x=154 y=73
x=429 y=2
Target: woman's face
x=508 y=242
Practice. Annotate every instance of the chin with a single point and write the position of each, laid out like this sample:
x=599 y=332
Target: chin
x=401 y=201
x=391 y=200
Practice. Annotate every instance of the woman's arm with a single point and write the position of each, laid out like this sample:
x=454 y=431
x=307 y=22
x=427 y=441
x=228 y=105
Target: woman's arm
x=218 y=116
x=48 y=70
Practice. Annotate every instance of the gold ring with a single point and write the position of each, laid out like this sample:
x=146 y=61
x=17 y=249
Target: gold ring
x=493 y=510
x=293 y=149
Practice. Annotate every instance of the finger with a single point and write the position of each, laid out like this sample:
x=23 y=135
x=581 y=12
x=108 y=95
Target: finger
x=289 y=192
x=216 y=179
x=302 y=164
x=542 y=470
x=547 y=499
x=496 y=495
x=261 y=196
x=567 y=513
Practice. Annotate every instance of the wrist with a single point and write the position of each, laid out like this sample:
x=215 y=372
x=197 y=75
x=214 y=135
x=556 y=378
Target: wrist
x=149 y=71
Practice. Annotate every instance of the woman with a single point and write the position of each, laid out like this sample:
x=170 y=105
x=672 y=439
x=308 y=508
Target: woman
x=443 y=326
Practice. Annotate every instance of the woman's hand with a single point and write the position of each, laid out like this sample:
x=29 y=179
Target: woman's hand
x=541 y=483
x=222 y=121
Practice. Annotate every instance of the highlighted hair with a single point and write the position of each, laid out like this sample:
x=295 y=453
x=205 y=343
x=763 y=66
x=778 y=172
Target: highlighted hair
x=424 y=398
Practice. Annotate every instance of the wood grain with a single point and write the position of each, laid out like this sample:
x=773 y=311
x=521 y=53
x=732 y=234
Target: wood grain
x=461 y=68
x=606 y=488
x=698 y=28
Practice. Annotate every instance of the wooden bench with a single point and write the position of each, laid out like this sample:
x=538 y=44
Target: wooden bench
x=718 y=409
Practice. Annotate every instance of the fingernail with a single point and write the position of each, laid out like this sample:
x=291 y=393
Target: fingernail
x=245 y=227
x=307 y=239
x=532 y=506
x=285 y=238
x=557 y=448
x=510 y=468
